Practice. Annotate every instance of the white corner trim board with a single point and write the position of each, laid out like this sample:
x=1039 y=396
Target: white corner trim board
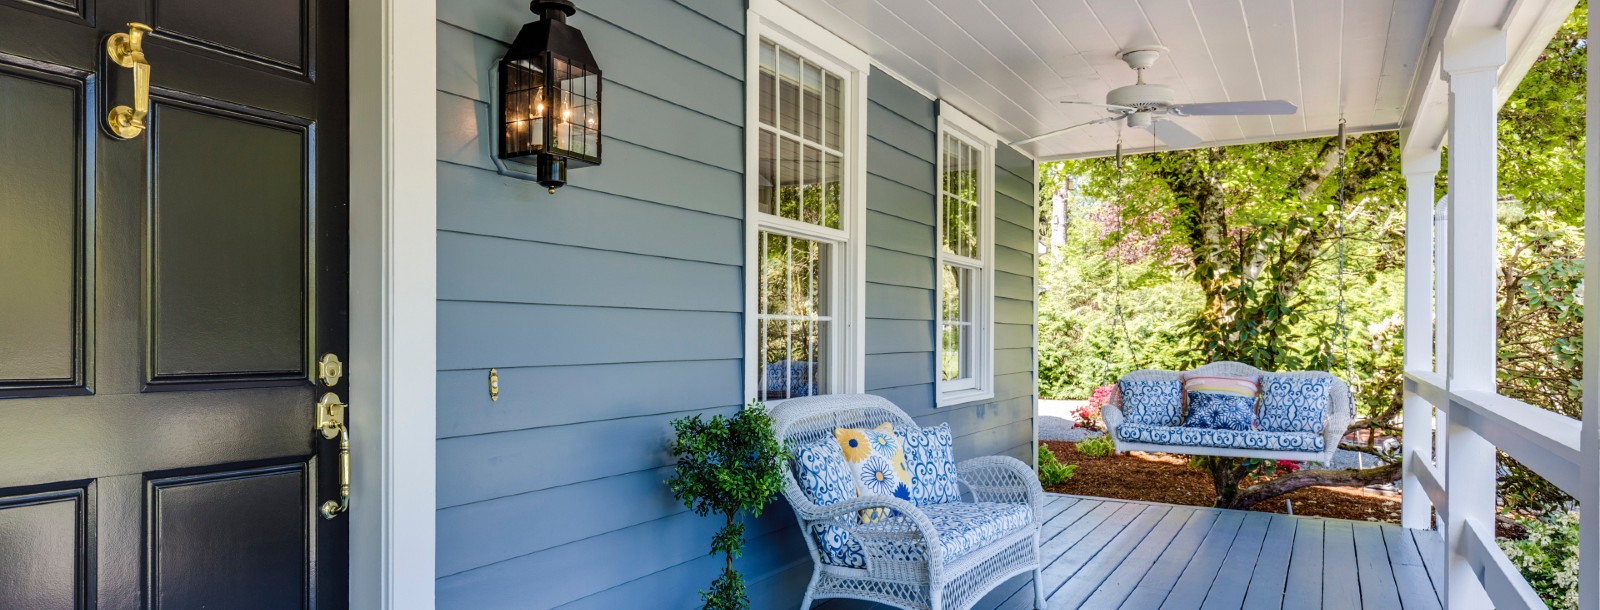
x=393 y=217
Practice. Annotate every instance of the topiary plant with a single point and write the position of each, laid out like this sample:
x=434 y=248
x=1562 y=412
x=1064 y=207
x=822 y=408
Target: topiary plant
x=727 y=466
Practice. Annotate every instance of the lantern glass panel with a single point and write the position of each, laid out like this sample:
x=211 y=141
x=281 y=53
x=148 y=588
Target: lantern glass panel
x=577 y=127
x=524 y=111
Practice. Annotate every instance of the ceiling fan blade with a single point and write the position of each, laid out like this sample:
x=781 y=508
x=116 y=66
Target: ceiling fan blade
x=1234 y=108
x=1064 y=130
x=1111 y=107
x=1174 y=135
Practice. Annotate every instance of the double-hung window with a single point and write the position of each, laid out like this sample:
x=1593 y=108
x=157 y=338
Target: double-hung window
x=805 y=186
x=966 y=259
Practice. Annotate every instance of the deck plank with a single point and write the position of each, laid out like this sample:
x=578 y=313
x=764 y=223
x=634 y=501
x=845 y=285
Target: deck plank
x=1431 y=547
x=1067 y=562
x=1373 y=570
x=1064 y=539
x=1195 y=582
x=1157 y=585
x=1341 y=589
x=1071 y=514
x=1093 y=571
x=1179 y=542
x=1304 y=586
x=1416 y=587
x=1233 y=579
x=1272 y=567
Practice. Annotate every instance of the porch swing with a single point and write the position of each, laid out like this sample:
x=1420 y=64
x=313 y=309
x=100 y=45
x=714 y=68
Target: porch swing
x=1232 y=409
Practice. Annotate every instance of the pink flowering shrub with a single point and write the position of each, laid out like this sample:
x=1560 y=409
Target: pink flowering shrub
x=1088 y=416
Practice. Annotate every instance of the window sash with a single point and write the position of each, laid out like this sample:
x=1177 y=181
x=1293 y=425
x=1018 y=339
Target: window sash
x=795 y=304
x=800 y=126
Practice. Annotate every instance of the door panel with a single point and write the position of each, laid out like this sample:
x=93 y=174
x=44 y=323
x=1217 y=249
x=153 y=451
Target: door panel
x=42 y=185
x=44 y=550
x=276 y=34
x=231 y=539
x=162 y=302
x=230 y=263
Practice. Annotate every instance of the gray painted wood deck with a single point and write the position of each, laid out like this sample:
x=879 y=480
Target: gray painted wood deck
x=1106 y=554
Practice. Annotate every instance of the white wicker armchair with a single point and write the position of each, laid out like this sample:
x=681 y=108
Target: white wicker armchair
x=930 y=581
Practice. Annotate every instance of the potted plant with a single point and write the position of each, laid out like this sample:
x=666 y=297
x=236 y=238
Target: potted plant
x=727 y=466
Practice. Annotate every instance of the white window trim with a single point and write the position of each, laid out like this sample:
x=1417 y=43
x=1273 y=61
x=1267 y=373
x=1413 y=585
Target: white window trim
x=772 y=20
x=952 y=121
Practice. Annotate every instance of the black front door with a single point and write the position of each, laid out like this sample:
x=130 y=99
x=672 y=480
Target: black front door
x=165 y=296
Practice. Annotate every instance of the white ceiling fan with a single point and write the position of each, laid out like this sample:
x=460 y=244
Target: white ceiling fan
x=1151 y=106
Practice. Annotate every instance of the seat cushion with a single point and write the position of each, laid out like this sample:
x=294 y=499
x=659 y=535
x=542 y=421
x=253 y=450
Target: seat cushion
x=931 y=464
x=1152 y=402
x=876 y=462
x=963 y=527
x=1222 y=411
x=1294 y=403
x=1259 y=440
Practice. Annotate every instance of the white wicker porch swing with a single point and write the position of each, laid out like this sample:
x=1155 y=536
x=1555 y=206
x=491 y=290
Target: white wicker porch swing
x=1296 y=416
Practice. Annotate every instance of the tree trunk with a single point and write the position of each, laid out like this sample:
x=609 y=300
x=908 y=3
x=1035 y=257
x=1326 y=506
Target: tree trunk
x=1349 y=477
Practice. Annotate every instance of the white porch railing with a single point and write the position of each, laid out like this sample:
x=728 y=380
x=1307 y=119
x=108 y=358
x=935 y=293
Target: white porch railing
x=1455 y=420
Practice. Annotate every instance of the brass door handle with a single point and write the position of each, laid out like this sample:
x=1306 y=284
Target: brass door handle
x=330 y=422
x=127 y=50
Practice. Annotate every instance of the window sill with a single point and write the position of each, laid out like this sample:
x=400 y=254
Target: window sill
x=958 y=397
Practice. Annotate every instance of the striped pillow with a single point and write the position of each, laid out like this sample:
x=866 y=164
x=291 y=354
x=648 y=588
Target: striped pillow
x=1236 y=386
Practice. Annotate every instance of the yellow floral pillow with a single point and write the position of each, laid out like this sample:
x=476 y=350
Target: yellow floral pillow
x=877 y=463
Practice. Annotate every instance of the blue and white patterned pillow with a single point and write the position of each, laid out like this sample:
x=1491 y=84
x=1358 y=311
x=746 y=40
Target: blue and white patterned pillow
x=1219 y=411
x=1294 y=404
x=1154 y=403
x=822 y=474
x=932 y=467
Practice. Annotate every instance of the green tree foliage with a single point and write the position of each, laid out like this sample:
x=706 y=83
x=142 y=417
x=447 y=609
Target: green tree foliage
x=727 y=466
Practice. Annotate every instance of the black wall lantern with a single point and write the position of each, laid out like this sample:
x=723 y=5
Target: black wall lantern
x=550 y=97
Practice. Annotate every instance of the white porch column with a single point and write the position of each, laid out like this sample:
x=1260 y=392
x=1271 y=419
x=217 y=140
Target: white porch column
x=1471 y=63
x=1420 y=168
x=1589 y=490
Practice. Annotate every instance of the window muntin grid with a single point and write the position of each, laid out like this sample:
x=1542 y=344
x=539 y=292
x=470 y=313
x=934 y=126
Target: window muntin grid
x=800 y=156
x=957 y=357
x=960 y=184
x=793 y=317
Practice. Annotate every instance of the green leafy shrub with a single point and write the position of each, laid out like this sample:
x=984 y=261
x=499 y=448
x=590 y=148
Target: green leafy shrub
x=1051 y=470
x=1096 y=446
x=1548 y=557
x=727 y=466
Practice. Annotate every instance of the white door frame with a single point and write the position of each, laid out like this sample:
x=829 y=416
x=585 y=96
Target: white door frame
x=393 y=200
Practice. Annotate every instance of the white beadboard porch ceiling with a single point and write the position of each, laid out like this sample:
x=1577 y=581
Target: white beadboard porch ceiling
x=1009 y=63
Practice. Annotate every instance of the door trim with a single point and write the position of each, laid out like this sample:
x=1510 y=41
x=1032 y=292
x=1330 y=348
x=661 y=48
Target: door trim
x=393 y=220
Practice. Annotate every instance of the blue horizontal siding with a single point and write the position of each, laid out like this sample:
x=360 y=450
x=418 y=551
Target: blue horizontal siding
x=609 y=309
x=615 y=306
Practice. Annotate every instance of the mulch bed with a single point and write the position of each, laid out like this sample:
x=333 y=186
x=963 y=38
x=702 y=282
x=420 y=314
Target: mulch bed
x=1167 y=478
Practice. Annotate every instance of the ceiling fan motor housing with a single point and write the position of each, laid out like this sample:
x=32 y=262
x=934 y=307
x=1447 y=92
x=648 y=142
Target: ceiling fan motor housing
x=1142 y=97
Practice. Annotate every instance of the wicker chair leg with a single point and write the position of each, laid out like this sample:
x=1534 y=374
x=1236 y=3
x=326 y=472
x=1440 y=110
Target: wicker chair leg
x=1038 y=589
x=811 y=588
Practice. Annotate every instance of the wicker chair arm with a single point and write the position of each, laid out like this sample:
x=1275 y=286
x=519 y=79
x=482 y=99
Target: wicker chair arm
x=1001 y=478
x=884 y=539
